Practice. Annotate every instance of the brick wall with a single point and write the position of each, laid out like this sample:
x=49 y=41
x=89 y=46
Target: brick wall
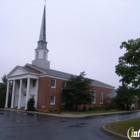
x=45 y=91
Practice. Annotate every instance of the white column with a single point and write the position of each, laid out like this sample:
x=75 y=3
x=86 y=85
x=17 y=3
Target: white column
x=13 y=93
x=36 y=95
x=7 y=95
x=27 y=92
x=19 y=98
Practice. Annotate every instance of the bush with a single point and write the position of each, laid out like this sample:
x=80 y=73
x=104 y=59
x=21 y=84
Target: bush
x=46 y=111
x=95 y=108
x=30 y=105
x=52 y=110
x=84 y=108
x=62 y=108
x=91 y=108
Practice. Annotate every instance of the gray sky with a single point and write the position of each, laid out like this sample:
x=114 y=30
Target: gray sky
x=82 y=35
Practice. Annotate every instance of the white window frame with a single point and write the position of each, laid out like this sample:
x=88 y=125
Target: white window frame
x=64 y=84
x=94 y=98
x=53 y=86
x=101 y=97
x=52 y=102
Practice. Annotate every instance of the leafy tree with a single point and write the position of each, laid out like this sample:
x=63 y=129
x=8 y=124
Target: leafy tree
x=124 y=96
x=3 y=86
x=77 y=91
x=30 y=104
x=129 y=64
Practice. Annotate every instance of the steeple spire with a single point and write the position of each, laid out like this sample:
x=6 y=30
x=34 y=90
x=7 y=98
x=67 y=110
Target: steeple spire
x=42 y=38
x=41 y=52
x=43 y=26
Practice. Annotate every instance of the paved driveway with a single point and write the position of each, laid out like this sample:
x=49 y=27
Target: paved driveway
x=23 y=126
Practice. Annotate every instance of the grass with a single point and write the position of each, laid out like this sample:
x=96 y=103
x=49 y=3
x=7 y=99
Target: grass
x=90 y=112
x=121 y=127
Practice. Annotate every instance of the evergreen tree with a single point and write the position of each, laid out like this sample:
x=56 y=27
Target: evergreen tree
x=77 y=91
x=30 y=105
x=3 y=86
x=124 y=96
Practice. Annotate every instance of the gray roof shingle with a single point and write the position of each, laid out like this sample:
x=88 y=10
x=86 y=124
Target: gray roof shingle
x=64 y=75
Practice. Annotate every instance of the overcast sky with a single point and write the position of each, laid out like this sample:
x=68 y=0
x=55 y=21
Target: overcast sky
x=82 y=35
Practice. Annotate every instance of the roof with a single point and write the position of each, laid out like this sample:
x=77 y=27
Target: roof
x=112 y=94
x=64 y=75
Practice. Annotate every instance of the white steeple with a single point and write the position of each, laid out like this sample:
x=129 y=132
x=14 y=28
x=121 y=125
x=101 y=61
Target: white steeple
x=41 y=52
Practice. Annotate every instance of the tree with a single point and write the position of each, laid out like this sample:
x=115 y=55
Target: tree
x=30 y=105
x=129 y=64
x=3 y=86
x=124 y=96
x=77 y=91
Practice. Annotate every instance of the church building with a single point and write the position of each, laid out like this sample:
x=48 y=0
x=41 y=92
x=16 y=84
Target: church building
x=45 y=85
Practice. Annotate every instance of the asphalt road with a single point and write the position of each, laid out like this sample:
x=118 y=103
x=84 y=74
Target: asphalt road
x=23 y=126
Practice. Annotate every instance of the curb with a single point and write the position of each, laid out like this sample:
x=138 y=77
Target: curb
x=116 y=135
x=113 y=134
x=67 y=115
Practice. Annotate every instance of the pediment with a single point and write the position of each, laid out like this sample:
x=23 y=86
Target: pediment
x=17 y=71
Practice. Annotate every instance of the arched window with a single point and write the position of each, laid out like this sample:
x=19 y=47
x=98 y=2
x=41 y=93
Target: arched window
x=101 y=97
x=93 y=96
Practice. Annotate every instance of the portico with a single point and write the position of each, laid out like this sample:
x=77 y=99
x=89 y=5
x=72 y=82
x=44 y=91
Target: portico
x=24 y=87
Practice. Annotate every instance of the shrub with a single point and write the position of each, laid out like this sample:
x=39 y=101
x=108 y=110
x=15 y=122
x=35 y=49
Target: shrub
x=62 y=108
x=84 y=108
x=30 y=105
x=91 y=108
x=95 y=108
x=46 y=111
x=58 y=111
x=52 y=110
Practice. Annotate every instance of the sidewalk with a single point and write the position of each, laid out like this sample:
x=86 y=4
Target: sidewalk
x=68 y=115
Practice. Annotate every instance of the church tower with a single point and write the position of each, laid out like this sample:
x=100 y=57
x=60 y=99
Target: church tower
x=41 y=52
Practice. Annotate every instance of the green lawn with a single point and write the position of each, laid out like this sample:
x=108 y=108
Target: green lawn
x=121 y=127
x=90 y=112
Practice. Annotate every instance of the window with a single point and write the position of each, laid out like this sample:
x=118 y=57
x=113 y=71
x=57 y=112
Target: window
x=101 y=97
x=53 y=83
x=94 y=96
x=44 y=55
x=52 y=100
x=63 y=84
x=37 y=54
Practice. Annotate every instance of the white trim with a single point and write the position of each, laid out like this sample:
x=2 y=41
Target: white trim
x=13 y=92
x=17 y=67
x=27 y=92
x=54 y=100
x=7 y=94
x=34 y=67
x=23 y=76
x=102 y=86
x=19 y=98
x=102 y=96
x=54 y=77
x=64 y=85
x=36 y=97
x=94 y=97
x=54 y=83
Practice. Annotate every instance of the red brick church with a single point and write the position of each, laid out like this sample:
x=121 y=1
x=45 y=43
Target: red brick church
x=45 y=85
